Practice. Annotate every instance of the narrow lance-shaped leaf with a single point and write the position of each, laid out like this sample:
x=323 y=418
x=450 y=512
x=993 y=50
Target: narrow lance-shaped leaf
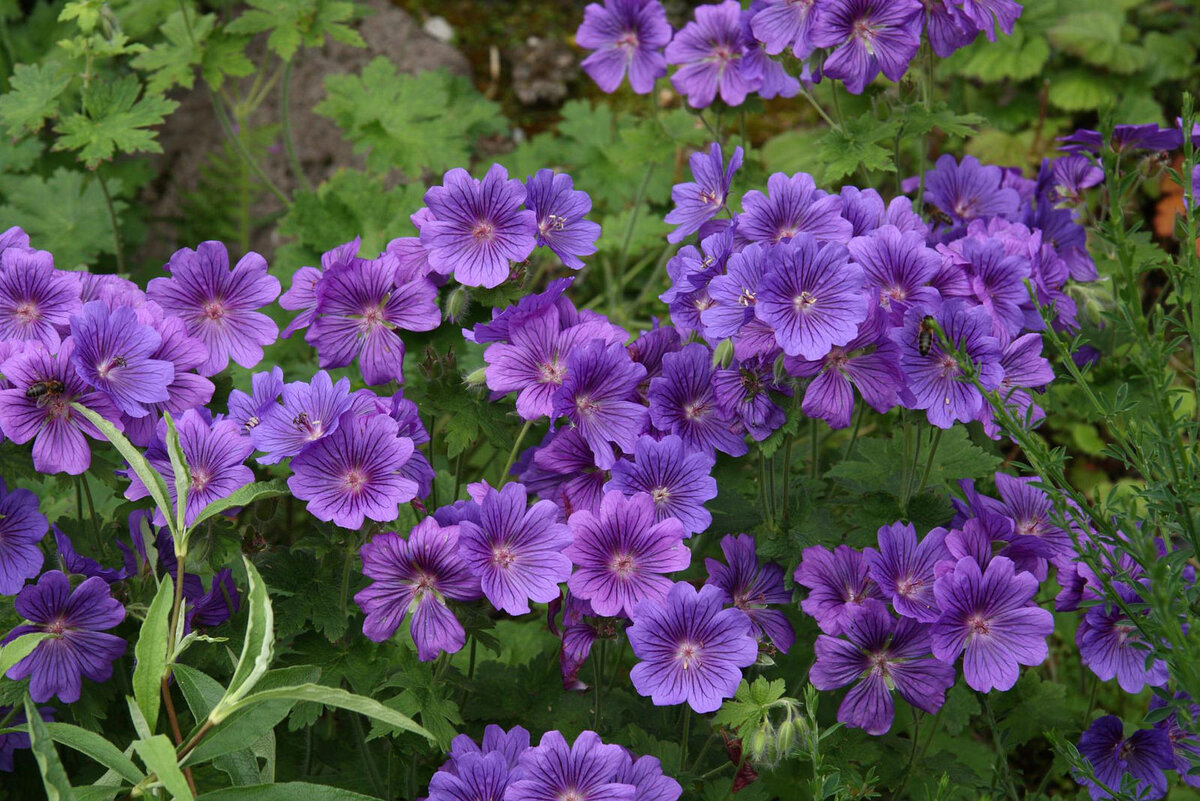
x=288 y=791
x=151 y=652
x=19 y=648
x=337 y=697
x=183 y=479
x=54 y=777
x=159 y=756
x=243 y=497
x=257 y=649
x=91 y=745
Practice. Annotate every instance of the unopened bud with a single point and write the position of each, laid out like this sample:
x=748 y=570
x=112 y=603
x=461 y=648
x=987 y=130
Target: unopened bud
x=723 y=353
x=456 y=304
x=780 y=372
x=760 y=741
x=784 y=740
x=476 y=378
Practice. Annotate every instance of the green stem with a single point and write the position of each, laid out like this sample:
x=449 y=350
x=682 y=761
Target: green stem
x=787 y=475
x=937 y=439
x=597 y=679
x=699 y=760
x=118 y=243
x=762 y=486
x=236 y=142
x=816 y=448
x=683 y=743
x=812 y=101
x=512 y=455
x=615 y=282
x=1002 y=753
x=285 y=114
x=368 y=757
x=858 y=416
x=87 y=492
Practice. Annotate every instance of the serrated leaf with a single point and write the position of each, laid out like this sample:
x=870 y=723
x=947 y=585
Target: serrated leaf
x=941 y=117
x=32 y=96
x=1095 y=37
x=159 y=755
x=225 y=56
x=115 y=121
x=172 y=62
x=1017 y=57
x=857 y=145
x=961 y=705
x=400 y=121
x=352 y=203
x=293 y=23
x=794 y=151
x=62 y=214
x=151 y=651
x=54 y=777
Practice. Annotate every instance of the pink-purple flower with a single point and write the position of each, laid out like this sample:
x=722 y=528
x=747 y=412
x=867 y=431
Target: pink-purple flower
x=626 y=35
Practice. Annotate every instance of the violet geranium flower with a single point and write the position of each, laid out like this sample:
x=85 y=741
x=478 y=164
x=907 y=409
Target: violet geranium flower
x=899 y=266
x=220 y=306
x=622 y=557
x=791 y=206
x=1144 y=755
x=626 y=35
x=780 y=24
x=309 y=412
x=880 y=653
x=1111 y=646
x=78 y=646
x=750 y=585
x=836 y=580
x=38 y=407
x=710 y=51
x=698 y=201
x=416 y=575
x=676 y=478
x=683 y=401
x=113 y=353
x=991 y=616
x=586 y=770
x=478 y=227
x=596 y=396
x=871 y=36
x=812 y=298
x=22 y=527
x=905 y=569
x=36 y=300
x=969 y=190
x=517 y=551
x=559 y=208
x=354 y=473
x=690 y=648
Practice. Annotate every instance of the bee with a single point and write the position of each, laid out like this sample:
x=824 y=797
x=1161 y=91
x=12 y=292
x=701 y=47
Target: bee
x=45 y=390
x=119 y=361
x=937 y=215
x=925 y=335
x=301 y=420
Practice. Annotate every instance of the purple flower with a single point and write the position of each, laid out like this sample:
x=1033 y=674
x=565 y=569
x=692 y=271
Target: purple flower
x=710 y=50
x=992 y=616
x=793 y=205
x=309 y=412
x=248 y=411
x=36 y=300
x=77 y=647
x=1185 y=745
x=837 y=580
x=969 y=190
x=690 y=648
x=645 y=773
x=947 y=27
x=744 y=391
x=934 y=378
x=302 y=297
x=780 y=24
x=113 y=353
x=508 y=744
x=904 y=569
x=621 y=556
x=499 y=328
x=879 y=654
x=354 y=473
x=187 y=390
x=683 y=402
x=74 y=563
x=359 y=309
x=212 y=608
x=584 y=771
x=22 y=527
x=559 y=209
x=698 y=201
x=626 y=35
x=870 y=36
x=1144 y=755
x=995 y=280
x=563 y=470
x=812 y=298
x=478 y=227
x=416 y=575
x=18 y=740
x=899 y=266
x=220 y=305
x=517 y=552
x=215 y=453
x=750 y=586
x=1073 y=174
x=868 y=362
x=1111 y=646
x=675 y=477
x=476 y=777
x=1024 y=368
x=597 y=398
x=986 y=13
x=734 y=294
x=38 y=407
x=1030 y=509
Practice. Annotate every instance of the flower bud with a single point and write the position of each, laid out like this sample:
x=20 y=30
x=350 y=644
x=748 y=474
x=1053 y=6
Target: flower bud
x=723 y=353
x=456 y=304
x=476 y=378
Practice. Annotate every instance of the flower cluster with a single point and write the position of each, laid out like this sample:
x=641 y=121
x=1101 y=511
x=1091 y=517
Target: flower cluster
x=727 y=51
x=505 y=767
x=856 y=294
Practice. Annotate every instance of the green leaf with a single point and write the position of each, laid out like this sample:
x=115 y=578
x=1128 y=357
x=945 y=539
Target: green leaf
x=334 y=696
x=32 y=96
x=159 y=755
x=1017 y=57
x=150 y=477
x=352 y=202
x=62 y=214
x=961 y=705
x=96 y=793
x=54 y=777
x=172 y=62
x=19 y=648
x=202 y=693
x=400 y=121
x=1095 y=37
x=257 y=649
x=941 y=117
x=151 y=652
x=183 y=479
x=225 y=56
x=1081 y=90
x=296 y=22
x=287 y=791
x=858 y=145
x=794 y=151
x=114 y=121
x=94 y=746
x=1174 y=57
x=750 y=705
